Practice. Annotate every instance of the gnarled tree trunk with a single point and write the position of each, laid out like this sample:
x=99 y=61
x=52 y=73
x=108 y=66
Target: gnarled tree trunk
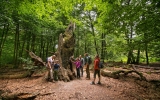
x=65 y=50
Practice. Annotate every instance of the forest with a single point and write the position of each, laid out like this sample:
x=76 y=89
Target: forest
x=125 y=33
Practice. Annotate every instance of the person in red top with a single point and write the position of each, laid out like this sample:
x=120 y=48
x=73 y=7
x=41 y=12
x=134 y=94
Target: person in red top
x=96 y=69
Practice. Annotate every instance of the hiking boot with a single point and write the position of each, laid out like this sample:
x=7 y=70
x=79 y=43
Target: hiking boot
x=50 y=80
x=92 y=83
x=99 y=83
x=87 y=78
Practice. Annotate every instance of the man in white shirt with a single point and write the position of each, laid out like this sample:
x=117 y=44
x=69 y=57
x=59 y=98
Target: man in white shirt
x=50 y=63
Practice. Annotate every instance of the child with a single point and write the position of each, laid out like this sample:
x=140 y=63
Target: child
x=56 y=68
x=77 y=63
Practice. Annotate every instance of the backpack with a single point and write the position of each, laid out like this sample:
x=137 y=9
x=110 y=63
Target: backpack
x=100 y=65
x=82 y=61
x=89 y=60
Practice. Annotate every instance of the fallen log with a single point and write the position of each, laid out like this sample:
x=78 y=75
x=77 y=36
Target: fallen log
x=17 y=75
x=19 y=96
x=36 y=59
x=116 y=74
x=146 y=67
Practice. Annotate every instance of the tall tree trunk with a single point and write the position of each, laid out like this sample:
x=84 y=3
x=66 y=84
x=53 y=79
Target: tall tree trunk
x=103 y=46
x=146 y=52
x=33 y=42
x=138 y=56
x=93 y=32
x=3 y=39
x=40 y=46
x=54 y=43
x=28 y=42
x=85 y=44
x=4 y=36
x=43 y=49
x=77 y=42
x=47 y=46
x=22 y=48
x=129 y=60
x=16 y=46
x=129 y=37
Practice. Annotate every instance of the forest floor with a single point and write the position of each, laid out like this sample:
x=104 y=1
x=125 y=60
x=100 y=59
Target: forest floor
x=124 y=88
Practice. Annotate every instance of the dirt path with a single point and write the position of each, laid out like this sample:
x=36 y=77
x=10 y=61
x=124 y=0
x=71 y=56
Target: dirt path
x=79 y=89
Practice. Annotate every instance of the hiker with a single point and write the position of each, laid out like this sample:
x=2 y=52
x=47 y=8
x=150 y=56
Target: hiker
x=82 y=64
x=71 y=59
x=77 y=63
x=50 y=63
x=96 y=69
x=56 y=69
x=87 y=63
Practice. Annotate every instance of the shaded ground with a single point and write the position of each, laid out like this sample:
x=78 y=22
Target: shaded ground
x=125 y=88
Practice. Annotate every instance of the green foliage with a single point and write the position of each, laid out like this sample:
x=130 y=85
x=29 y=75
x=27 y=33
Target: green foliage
x=126 y=25
x=28 y=63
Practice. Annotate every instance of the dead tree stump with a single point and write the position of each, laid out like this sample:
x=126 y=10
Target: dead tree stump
x=65 y=50
x=66 y=45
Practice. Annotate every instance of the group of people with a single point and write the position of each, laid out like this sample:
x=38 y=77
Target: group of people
x=80 y=63
x=53 y=67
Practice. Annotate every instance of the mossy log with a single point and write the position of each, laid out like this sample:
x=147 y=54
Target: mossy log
x=16 y=75
x=23 y=95
x=19 y=96
x=117 y=74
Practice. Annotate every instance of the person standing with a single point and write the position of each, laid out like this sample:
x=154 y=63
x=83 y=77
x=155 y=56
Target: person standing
x=82 y=64
x=70 y=63
x=96 y=69
x=86 y=59
x=56 y=69
x=77 y=63
x=50 y=63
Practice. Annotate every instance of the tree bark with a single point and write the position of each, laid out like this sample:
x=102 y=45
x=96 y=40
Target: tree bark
x=146 y=52
x=103 y=46
x=93 y=32
x=138 y=56
x=16 y=46
x=4 y=36
x=117 y=74
x=65 y=50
